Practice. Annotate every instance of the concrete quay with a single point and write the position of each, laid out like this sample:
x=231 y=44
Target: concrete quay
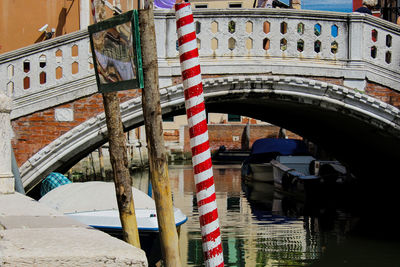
x=32 y=234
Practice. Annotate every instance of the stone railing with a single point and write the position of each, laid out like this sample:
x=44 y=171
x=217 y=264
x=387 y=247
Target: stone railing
x=354 y=47
x=48 y=73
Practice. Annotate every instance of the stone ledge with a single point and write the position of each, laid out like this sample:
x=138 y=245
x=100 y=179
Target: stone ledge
x=32 y=234
x=66 y=247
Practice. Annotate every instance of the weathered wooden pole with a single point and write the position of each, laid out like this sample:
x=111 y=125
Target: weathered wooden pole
x=119 y=160
x=154 y=135
x=119 y=163
x=101 y=163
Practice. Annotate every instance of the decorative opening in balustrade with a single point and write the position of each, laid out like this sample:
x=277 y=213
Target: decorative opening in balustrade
x=27 y=83
x=59 y=73
x=198 y=27
x=42 y=64
x=10 y=88
x=74 y=51
x=388 y=57
x=198 y=43
x=59 y=55
x=266 y=27
x=214 y=27
x=317 y=29
x=300 y=45
x=90 y=61
x=334 y=47
x=75 y=67
x=42 y=77
x=266 y=43
x=10 y=71
x=27 y=66
x=300 y=28
x=334 y=31
x=388 y=40
x=317 y=46
x=283 y=27
x=42 y=61
x=231 y=43
x=283 y=45
x=374 y=51
x=374 y=35
x=231 y=27
x=249 y=43
x=214 y=44
x=249 y=26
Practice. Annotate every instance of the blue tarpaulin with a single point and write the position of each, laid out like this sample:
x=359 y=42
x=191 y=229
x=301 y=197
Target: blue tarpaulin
x=266 y=149
x=283 y=146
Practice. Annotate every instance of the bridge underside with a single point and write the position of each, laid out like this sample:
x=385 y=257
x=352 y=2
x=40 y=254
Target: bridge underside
x=368 y=151
x=356 y=129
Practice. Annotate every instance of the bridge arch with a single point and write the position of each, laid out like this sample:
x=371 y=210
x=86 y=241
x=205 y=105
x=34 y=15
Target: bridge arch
x=341 y=120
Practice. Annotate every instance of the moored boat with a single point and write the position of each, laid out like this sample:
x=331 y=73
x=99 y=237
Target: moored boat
x=257 y=166
x=95 y=204
x=306 y=175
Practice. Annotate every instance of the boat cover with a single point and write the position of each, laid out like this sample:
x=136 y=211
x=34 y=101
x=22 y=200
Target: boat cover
x=95 y=204
x=91 y=196
x=282 y=146
x=266 y=149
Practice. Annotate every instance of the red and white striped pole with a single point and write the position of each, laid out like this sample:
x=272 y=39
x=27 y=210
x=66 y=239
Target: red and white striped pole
x=93 y=8
x=198 y=131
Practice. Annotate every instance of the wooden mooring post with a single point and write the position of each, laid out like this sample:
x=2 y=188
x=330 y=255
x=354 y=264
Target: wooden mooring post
x=157 y=155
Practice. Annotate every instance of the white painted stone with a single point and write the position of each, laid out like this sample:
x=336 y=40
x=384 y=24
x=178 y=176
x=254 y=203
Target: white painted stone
x=6 y=176
x=64 y=114
x=357 y=84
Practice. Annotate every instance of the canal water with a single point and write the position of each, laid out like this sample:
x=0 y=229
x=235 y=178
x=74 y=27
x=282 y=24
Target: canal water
x=262 y=227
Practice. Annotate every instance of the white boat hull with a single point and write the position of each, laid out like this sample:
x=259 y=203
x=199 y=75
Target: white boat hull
x=95 y=204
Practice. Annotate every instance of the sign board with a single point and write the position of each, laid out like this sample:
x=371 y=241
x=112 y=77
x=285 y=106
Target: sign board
x=117 y=60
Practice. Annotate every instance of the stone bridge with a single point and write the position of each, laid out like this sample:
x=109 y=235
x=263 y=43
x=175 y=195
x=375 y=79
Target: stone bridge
x=333 y=78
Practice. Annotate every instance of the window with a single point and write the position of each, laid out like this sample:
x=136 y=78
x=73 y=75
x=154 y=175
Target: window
x=234 y=118
x=201 y=6
x=168 y=119
x=235 y=5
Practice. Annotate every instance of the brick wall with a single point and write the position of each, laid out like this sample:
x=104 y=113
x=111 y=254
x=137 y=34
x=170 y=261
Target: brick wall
x=231 y=135
x=35 y=131
x=383 y=93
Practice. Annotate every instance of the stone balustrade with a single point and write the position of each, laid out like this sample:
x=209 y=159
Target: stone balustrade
x=353 y=46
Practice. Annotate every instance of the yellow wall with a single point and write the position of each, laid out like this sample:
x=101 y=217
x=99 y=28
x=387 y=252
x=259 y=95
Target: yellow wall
x=20 y=20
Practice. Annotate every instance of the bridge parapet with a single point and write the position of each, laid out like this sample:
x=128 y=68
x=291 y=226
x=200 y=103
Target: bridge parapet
x=353 y=47
x=48 y=73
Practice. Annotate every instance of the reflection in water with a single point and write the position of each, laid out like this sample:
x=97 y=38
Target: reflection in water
x=261 y=227
x=115 y=54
